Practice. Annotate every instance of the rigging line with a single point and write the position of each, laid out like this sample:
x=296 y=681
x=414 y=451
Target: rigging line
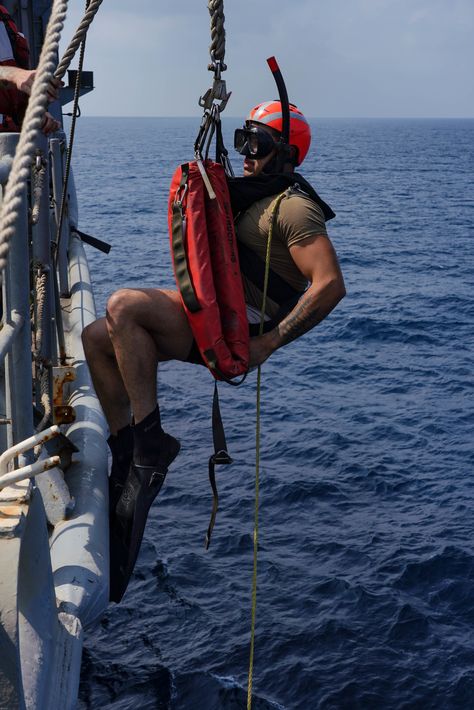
x=69 y=148
x=217 y=48
x=257 y=451
x=91 y=10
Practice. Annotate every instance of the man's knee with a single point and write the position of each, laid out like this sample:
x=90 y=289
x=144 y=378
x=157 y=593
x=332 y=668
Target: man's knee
x=95 y=338
x=120 y=307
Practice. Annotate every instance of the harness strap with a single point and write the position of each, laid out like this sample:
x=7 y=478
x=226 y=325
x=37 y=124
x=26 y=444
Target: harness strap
x=253 y=268
x=222 y=154
x=269 y=281
x=220 y=456
x=178 y=228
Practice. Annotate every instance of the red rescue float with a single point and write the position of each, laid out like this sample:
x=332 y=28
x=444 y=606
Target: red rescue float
x=206 y=266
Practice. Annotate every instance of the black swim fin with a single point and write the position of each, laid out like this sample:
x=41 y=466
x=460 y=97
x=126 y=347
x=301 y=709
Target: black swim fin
x=127 y=523
x=121 y=447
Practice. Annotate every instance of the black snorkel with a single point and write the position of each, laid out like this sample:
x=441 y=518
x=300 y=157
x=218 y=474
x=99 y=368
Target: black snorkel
x=284 y=151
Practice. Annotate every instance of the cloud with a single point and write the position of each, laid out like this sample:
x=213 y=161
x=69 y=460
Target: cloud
x=339 y=58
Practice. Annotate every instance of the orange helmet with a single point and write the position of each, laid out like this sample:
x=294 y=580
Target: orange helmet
x=269 y=113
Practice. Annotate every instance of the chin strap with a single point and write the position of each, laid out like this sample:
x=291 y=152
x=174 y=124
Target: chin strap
x=282 y=158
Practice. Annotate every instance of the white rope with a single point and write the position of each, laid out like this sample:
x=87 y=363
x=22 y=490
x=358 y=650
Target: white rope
x=77 y=39
x=21 y=166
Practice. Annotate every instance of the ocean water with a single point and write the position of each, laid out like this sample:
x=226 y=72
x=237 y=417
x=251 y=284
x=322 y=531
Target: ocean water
x=366 y=560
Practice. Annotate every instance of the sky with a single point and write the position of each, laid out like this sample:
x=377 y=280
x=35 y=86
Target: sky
x=340 y=58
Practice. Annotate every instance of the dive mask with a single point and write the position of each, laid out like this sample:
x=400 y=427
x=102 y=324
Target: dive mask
x=253 y=142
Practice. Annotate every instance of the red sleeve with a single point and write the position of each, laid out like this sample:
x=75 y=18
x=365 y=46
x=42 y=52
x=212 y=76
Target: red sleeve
x=13 y=103
x=5 y=100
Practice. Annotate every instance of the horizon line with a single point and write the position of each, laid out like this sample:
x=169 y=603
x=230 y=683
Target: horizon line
x=311 y=118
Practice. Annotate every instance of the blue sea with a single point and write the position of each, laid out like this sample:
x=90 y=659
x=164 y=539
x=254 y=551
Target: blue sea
x=366 y=557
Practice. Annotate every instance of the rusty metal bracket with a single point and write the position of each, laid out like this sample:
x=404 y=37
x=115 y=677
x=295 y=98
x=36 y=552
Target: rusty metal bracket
x=62 y=413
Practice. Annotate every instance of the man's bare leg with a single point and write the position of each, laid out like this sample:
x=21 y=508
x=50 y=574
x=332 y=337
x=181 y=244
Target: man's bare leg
x=146 y=326
x=142 y=327
x=106 y=377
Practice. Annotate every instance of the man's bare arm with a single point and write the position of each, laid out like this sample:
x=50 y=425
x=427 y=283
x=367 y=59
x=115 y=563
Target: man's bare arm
x=23 y=80
x=317 y=260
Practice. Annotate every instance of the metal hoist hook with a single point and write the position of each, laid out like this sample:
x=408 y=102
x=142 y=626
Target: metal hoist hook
x=218 y=90
x=215 y=99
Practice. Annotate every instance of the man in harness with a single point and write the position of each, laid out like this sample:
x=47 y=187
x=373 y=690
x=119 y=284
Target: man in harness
x=143 y=327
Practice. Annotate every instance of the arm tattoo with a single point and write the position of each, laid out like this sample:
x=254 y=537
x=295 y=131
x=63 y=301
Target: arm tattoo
x=304 y=316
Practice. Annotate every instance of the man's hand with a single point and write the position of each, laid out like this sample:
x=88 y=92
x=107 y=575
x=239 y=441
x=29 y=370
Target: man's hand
x=261 y=347
x=49 y=124
x=23 y=80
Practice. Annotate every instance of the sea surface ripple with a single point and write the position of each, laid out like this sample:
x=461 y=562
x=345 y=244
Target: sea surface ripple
x=366 y=560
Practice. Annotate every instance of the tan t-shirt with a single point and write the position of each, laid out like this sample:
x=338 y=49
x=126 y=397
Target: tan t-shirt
x=298 y=218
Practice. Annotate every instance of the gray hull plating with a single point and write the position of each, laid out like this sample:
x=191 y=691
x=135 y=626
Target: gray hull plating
x=53 y=584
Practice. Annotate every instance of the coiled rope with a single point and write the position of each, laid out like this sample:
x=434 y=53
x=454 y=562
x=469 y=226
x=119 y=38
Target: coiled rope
x=273 y=220
x=78 y=38
x=45 y=400
x=21 y=166
x=217 y=47
x=41 y=285
x=39 y=175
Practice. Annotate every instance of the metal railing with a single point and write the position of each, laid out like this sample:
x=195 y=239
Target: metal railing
x=29 y=352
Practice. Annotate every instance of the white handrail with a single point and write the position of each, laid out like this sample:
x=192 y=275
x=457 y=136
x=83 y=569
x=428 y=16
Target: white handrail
x=33 y=469
x=25 y=445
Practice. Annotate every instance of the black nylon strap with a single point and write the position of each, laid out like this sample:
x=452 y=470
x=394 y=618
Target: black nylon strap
x=220 y=456
x=244 y=191
x=253 y=267
x=92 y=241
x=178 y=229
x=222 y=155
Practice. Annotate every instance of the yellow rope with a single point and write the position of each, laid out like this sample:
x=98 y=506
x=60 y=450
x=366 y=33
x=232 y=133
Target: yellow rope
x=257 y=453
